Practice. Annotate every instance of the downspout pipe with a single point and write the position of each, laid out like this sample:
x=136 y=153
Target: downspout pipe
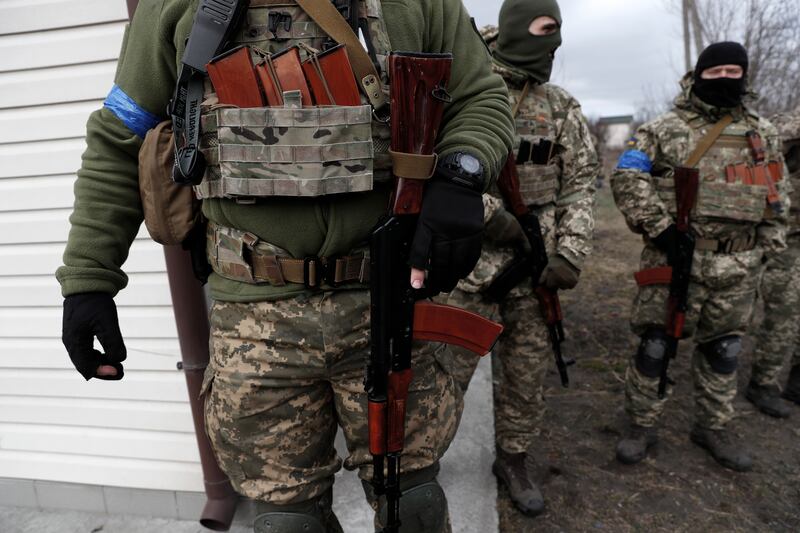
x=191 y=318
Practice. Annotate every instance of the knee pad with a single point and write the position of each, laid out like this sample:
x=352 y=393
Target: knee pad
x=652 y=351
x=723 y=354
x=423 y=509
x=278 y=522
x=312 y=516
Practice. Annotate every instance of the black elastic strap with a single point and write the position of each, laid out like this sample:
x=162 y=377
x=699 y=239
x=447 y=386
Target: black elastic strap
x=214 y=24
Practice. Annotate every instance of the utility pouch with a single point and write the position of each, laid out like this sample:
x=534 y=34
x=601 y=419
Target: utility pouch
x=326 y=73
x=234 y=79
x=288 y=151
x=170 y=210
x=538 y=184
x=760 y=171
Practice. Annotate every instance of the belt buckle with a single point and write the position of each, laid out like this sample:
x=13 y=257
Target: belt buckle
x=329 y=271
x=315 y=262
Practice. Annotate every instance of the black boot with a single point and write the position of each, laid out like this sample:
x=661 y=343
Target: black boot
x=633 y=446
x=792 y=390
x=768 y=400
x=722 y=447
x=515 y=470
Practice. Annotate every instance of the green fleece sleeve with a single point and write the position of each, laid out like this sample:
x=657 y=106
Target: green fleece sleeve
x=107 y=212
x=478 y=120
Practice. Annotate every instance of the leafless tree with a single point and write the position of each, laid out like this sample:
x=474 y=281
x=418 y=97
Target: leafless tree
x=769 y=29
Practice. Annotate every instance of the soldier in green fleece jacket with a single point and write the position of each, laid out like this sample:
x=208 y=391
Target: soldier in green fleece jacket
x=287 y=360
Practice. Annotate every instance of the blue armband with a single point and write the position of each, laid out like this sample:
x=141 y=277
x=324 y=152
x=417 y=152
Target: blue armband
x=130 y=113
x=635 y=160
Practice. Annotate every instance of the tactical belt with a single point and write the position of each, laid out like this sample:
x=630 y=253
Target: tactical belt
x=663 y=275
x=265 y=267
x=726 y=246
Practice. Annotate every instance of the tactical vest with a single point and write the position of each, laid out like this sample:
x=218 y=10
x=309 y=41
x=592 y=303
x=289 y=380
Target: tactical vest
x=294 y=150
x=537 y=121
x=726 y=190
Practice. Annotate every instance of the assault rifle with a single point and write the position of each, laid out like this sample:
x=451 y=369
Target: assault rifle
x=687 y=181
x=679 y=271
x=398 y=317
x=530 y=264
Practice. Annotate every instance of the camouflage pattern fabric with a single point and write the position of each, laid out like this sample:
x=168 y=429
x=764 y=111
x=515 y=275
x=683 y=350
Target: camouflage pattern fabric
x=778 y=336
x=721 y=297
x=723 y=286
x=561 y=193
x=644 y=190
x=283 y=373
x=273 y=151
x=519 y=363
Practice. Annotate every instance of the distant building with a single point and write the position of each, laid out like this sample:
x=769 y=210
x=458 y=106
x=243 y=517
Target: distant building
x=619 y=130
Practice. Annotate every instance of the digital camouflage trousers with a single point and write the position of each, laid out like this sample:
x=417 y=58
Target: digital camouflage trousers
x=721 y=297
x=519 y=364
x=284 y=374
x=777 y=337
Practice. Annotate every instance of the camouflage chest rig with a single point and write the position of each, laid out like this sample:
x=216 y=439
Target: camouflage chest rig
x=729 y=190
x=537 y=126
x=294 y=151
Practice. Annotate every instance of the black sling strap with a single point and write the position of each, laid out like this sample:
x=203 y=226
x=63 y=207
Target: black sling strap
x=214 y=24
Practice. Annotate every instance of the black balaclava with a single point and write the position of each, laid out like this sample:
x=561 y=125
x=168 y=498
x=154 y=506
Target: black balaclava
x=516 y=46
x=721 y=92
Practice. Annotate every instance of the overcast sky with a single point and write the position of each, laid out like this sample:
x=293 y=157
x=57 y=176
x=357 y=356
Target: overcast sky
x=616 y=53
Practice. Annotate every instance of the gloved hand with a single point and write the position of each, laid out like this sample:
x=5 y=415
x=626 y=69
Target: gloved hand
x=447 y=242
x=504 y=229
x=669 y=241
x=88 y=315
x=559 y=274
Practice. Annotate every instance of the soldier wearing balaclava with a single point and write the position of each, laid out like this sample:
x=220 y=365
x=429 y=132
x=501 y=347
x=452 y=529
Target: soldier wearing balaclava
x=557 y=166
x=738 y=220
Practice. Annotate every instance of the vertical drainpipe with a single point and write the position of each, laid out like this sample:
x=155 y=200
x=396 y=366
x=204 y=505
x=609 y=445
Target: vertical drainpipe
x=191 y=317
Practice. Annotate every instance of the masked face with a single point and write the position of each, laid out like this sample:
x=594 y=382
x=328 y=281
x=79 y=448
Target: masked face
x=720 y=77
x=530 y=34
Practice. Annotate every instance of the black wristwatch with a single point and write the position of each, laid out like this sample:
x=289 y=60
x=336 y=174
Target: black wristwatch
x=463 y=169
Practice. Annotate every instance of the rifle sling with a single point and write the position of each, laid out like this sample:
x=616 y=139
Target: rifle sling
x=330 y=20
x=708 y=141
x=209 y=32
x=522 y=98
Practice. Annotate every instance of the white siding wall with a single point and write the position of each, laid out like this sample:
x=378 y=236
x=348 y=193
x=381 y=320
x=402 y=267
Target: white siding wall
x=57 y=62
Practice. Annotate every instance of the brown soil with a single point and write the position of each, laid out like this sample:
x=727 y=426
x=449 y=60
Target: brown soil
x=678 y=487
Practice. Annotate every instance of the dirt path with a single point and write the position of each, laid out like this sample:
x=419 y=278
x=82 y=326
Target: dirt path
x=679 y=488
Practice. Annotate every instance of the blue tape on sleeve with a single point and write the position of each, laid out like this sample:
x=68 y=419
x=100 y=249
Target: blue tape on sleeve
x=635 y=160
x=130 y=113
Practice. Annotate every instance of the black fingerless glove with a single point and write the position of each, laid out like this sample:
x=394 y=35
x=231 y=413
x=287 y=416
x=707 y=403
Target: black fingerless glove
x=669 y=241
x=447 y=242
x=86 y=316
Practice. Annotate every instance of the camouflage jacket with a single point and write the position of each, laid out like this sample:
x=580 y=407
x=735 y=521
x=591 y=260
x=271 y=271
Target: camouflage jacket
x=643 y=183
x=788 y=125
x=561 y=191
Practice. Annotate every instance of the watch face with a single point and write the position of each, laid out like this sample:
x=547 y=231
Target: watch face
x=470 y=163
